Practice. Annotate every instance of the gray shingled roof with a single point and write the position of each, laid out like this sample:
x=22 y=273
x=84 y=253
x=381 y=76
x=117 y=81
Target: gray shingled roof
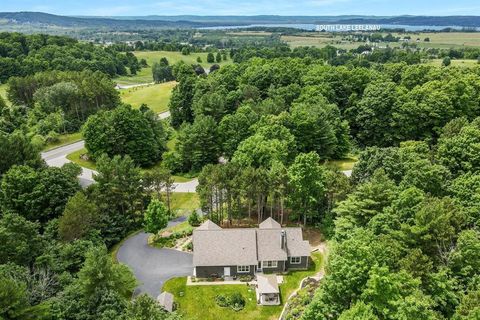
x=224 y=247
x=165 y=299
x=269 y=245
x=269 y=223
x=208 y=225
x=296 y=246
x=214 y=246
x=267 y=284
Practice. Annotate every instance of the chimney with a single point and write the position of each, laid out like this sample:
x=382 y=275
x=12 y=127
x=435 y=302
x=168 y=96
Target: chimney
x=283 y=239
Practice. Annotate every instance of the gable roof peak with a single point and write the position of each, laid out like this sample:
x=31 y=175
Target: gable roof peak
x=269 y=223
x=208 y=225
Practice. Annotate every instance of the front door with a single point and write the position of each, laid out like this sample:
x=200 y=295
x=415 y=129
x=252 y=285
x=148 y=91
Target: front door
x=226 y=271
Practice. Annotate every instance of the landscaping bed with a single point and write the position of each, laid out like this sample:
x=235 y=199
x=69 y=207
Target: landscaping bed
x=178 y=237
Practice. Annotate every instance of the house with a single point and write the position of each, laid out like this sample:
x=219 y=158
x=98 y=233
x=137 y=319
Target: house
x=165 y=299
x=267 y=290
x=234 y=252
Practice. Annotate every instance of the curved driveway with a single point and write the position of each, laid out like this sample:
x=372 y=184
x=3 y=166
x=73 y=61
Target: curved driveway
x=151 y=266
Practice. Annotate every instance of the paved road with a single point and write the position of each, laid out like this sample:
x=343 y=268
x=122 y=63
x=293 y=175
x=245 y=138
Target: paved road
x=128 y=86
x=151 y=266
x=58 y=157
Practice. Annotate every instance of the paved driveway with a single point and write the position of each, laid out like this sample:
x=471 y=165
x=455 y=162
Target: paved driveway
x=151 y=266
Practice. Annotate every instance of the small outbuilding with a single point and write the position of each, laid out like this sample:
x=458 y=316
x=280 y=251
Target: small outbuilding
x=165 y=299
x=267 y=290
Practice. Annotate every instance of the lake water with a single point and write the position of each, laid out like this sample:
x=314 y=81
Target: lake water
x=311 y=27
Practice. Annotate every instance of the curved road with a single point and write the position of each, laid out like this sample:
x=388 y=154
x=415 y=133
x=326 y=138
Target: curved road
x=58 y=157
x=151 y=266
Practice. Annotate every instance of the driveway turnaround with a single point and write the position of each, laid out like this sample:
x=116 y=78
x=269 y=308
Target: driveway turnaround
x=152 y=266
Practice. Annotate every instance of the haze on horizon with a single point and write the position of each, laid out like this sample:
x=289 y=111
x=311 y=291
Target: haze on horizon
x=245 y=7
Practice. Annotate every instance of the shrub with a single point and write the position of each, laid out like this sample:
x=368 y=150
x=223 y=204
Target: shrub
x=189 y=246
x=193 y=219
x=237 y=301
x=446 y=61
x=221 y=300
x=245 y=278
x=52 y=137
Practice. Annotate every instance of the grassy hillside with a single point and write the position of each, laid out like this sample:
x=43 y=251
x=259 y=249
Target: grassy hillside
x=145 y=75
x=155 y=96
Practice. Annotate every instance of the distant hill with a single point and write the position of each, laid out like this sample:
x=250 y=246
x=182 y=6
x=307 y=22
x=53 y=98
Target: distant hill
x=462 y=21
x=46 y=19
x=188 y=21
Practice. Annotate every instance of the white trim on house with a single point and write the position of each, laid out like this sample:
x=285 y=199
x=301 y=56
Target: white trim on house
x=269 y=264
x=243 y=269
x=295 y=260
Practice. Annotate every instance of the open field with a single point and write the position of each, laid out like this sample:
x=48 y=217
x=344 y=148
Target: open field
x=145 y=75
x=441 y=40
x=198 y=302
x=156 y=96
x=455 y=62
x=319 y=40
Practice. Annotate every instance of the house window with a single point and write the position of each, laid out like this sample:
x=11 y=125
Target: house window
x=269 y=264
x=295 y=260
x=243 y=269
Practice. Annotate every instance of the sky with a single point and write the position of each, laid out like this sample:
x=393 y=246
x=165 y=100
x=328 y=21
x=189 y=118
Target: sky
x=244 y=7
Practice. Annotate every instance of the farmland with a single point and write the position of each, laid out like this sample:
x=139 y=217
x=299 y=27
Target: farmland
x=145 y=75
x=441 y=40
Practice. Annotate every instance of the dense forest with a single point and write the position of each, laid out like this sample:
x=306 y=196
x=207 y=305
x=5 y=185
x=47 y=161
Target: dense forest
x=22 y=55
x=405 y=243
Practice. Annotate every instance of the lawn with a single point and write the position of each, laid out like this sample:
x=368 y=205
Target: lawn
x=76 y=158
x=197 y=302
x=63 y=140
x=145 y=75
x=183 y=203
x=155 y=96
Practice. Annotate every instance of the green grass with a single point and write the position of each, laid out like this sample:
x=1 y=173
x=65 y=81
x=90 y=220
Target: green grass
x=145 y=75
x=183 y=203
x=155 y=96
x=63 y=140
x=342 y=164
x=455 y=62
x=197 y=302
x=76 y=158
